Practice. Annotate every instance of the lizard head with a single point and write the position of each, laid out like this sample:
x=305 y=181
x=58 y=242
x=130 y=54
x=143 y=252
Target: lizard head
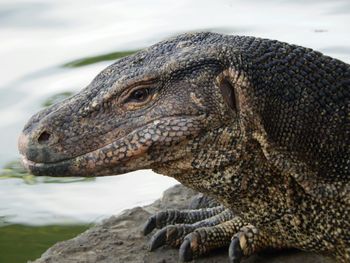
x=156 y=107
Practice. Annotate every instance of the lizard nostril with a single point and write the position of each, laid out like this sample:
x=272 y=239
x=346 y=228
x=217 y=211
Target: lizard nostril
x=44 y=137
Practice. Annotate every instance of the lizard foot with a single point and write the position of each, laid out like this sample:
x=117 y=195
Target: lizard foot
x=198 y=238
x=205 y=239
x=174 y=235
x=243 y=240
x=174 y=216
x=195 y=236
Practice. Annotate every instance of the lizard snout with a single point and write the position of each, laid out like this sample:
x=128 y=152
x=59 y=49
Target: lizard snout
x=35 y=146
x=22 y=143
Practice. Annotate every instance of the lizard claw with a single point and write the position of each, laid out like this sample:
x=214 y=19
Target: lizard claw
x=149 y=226
x=158 y=239
x=169 y=235
x=235 y=253
x=185 y=253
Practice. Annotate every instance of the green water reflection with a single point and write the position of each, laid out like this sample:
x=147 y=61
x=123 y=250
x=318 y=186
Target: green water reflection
x=57 y=98
x=15 y=170
x=19 y=243
x=95 y=59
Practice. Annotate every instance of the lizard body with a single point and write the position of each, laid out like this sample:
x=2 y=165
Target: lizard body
x=260 y=125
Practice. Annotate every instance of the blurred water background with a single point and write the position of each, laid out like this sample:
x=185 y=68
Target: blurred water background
x=52 y=49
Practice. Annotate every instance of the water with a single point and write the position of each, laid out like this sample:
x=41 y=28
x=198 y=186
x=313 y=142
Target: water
x=57 y=47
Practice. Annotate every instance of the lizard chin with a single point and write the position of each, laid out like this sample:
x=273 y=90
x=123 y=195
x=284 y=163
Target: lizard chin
x=123 y=155
x=46 y=169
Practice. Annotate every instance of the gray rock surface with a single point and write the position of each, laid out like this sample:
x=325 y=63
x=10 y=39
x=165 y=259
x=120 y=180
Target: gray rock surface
x=119 y=239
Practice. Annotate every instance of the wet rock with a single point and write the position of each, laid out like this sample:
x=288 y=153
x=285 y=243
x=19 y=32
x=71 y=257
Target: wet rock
x=120 y=239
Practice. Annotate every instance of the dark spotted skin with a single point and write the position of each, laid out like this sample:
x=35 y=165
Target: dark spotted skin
x=259 y=125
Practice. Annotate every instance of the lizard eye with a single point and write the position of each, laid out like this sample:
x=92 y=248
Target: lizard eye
x=139 y=95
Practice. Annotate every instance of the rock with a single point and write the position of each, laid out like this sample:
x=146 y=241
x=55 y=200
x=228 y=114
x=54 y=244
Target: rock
x=119 y=239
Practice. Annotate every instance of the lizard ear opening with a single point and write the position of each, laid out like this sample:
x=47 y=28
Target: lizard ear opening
x=228 y=92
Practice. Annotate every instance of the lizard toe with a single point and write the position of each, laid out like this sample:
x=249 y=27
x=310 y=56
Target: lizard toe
x=185 y=252
x=149 y=226
x=193 y=246
x=235 y=253
x=171 y=235
x=158 y=239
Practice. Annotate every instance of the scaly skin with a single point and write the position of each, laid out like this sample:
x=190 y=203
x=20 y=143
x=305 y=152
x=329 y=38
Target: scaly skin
x=259 y=125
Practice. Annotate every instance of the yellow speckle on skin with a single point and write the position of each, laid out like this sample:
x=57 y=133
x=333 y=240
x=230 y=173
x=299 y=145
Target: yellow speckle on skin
x=196 y=100
x=94 y=104
x=243 y=242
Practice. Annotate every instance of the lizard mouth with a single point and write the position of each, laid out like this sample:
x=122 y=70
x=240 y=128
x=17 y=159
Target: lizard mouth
x=121 y=156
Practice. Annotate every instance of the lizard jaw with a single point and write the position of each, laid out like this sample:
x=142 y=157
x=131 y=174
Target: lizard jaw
x=126 y=154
